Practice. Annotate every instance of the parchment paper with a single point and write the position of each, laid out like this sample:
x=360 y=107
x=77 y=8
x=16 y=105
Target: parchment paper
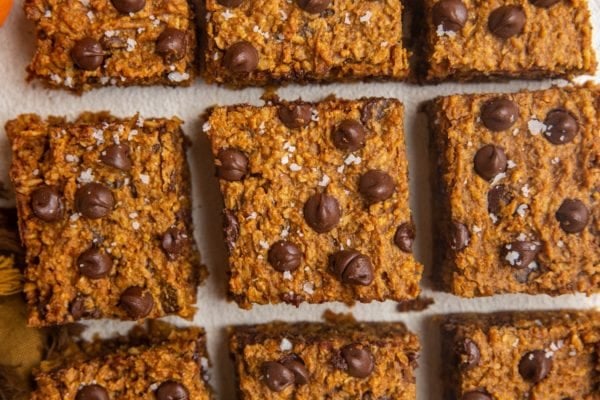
x=214 y=311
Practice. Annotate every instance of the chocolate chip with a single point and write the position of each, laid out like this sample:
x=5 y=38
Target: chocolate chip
x=459 y=236
x=476 y=395
x=295 y=115
x=230 y=3
x=171 y=390
x=573 y=215
x=94 y=200
x=498 y=197
x=295 y=364
x=535 y=366
x=359 y=360
x=94 y=264
x=562 y=127
x=349 y=136
x=92 y=392
x=405 y=236
x=87 y=54
x=520 y=254
x=450 y=14
x=376 y=185
x=128 y=6
x=313 y=6
x=77 y=308
x=352 y=267
x=241 y=57
x=544 y=3
x=507 y=21
x=46 y=204
x=490 y=161
x=173 y=242
x=322 y=212
x=231 y=228
x=499 y=114
x=232 y=164
x=277 y=377
x=136 y=302
x=468 y=354
x=285 y=256
x=172 y=44
x=118 y=156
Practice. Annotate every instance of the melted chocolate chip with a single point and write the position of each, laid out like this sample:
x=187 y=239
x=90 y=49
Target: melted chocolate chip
x=499 y=114
x=476 y=395
x=376 y=185
x=450 y=14
x=87 y=54
x=136 y=302
x=490 y=161
x=231 y=228
x=498 y=197
x=241 y=57
x=128 y=6
x=468 y=354
x=277 y=377
x=285 y=256
x=322 y=212
x=520 y=254
x=172 y=44
x=572 y=215
x=92 y=392
x=118 y=156
x=295 y=364
x=535 y=366
x=173 y=242
x=171 y=390
x=562 y=127
x=94 y=200
x=349 y=136
x=359 y=360
x=94 y=264
x=404 y=237
x=230 y=3
x=313 y=6
x=507 y=21
x=352 y=267
x=295 y=115
x=459 y=236
x=77 y=307
x=544 y=3
x=47 y=204
x=232 y=164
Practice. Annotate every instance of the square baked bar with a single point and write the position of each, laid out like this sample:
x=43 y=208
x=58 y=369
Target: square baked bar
x=158 y=362
x=316 y=201
x=517 y=191
x=81 y=44
x=479 y=39
x=342 y=361
x=255 y=42
x=105 y=217
x=522 y=355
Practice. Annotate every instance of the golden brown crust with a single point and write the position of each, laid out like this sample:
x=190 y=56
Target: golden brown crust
x=149 y=199
x=555 y=42
x=570 y=338
x=131 y=58
x=349 y=40
x=395 y=351
x=542 y=176
x=286 y=166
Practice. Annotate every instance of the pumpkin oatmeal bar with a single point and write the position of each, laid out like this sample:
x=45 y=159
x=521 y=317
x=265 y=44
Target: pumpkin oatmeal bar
x=316 y=201
x=252 y=42
x=517 y=191
x=482 y=39
x=552 y=355
x=155 y=362
x=82 y=44
x=105 y=217
x=345 y=360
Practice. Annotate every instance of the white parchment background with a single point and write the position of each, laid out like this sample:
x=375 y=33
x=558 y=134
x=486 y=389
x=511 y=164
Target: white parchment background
x=215 y=313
